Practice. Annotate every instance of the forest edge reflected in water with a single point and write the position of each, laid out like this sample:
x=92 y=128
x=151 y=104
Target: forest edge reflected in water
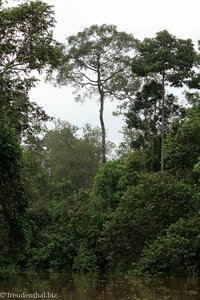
x=95 y=286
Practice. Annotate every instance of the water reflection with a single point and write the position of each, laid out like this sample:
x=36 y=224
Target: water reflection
x=94 y=287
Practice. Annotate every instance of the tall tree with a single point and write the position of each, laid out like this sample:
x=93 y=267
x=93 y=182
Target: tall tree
x=96 y=60
x=26 y=44
x=144 y=116
x=169 y=58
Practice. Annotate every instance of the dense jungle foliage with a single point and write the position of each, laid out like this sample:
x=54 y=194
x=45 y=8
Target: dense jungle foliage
x=65 y=202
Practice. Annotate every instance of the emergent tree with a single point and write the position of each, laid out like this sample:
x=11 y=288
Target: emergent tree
x=98 y=61
x=170 y=59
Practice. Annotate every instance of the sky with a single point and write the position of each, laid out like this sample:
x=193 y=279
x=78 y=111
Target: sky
x=142 y=18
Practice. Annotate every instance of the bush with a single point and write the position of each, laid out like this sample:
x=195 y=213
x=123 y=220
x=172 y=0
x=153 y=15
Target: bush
x=84 y=261
x=177 y=252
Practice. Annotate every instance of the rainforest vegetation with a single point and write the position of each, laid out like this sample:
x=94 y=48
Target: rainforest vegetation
x=66 y=203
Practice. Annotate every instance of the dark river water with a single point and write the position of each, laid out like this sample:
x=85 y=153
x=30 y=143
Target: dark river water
x=92 y=287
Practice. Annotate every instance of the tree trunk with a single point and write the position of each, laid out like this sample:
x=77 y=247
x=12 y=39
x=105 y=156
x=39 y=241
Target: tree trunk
x=101 y=111
x=103 y=130
x=163 y=122
x=153 y=138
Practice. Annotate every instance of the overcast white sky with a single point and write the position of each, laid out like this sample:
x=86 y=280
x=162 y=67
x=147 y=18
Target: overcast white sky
x=142 y=18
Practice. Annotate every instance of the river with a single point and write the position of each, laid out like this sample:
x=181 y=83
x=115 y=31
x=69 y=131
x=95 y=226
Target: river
x=98 y=287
